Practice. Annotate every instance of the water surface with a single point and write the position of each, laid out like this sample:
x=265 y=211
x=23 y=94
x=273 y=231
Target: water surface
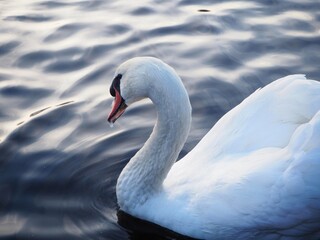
x=59 y=160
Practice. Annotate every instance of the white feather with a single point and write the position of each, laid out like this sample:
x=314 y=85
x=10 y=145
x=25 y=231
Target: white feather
x=255 y=175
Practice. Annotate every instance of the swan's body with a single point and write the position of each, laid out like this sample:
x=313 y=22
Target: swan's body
x=255 y=175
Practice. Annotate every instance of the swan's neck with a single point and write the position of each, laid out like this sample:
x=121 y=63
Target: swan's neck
x=144 y=174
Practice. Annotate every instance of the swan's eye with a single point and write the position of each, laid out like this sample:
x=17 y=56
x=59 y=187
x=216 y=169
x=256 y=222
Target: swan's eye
x=115 y=85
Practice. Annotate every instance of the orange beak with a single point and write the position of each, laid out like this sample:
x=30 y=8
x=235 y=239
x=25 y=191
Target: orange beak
x=118 y=107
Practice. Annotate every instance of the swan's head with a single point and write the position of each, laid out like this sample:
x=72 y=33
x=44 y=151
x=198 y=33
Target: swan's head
x=133 y=82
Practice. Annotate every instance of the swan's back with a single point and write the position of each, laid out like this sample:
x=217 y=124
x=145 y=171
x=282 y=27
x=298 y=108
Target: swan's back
x=258 y=167
x=267 y=118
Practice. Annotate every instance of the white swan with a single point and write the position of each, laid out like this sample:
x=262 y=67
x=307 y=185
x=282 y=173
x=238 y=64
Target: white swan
x=255 y=175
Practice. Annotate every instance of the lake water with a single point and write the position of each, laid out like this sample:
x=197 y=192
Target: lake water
x=59 y=159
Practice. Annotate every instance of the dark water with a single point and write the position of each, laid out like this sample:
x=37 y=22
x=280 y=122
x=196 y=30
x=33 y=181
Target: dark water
x=59 y=160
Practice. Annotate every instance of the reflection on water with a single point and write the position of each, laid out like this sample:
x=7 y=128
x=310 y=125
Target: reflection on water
x=59 y=160
x=140 y=229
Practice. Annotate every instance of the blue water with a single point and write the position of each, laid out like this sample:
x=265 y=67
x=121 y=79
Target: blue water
x=59 y=159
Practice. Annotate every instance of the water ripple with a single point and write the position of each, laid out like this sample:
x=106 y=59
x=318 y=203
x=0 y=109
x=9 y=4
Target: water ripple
x=59 y=160
x=29 y=18
x=64 y=32
x=8 y=47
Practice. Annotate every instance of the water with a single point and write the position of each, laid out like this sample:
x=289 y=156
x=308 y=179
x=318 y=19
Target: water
x=59 y=159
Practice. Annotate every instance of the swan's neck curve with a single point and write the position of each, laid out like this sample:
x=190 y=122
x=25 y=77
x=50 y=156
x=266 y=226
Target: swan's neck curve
x=144 y=174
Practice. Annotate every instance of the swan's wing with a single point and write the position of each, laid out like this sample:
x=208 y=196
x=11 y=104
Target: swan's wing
x=270 y=188
x=300 y=181
x=260 y=162
x=274 y=187
x=267 y=118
